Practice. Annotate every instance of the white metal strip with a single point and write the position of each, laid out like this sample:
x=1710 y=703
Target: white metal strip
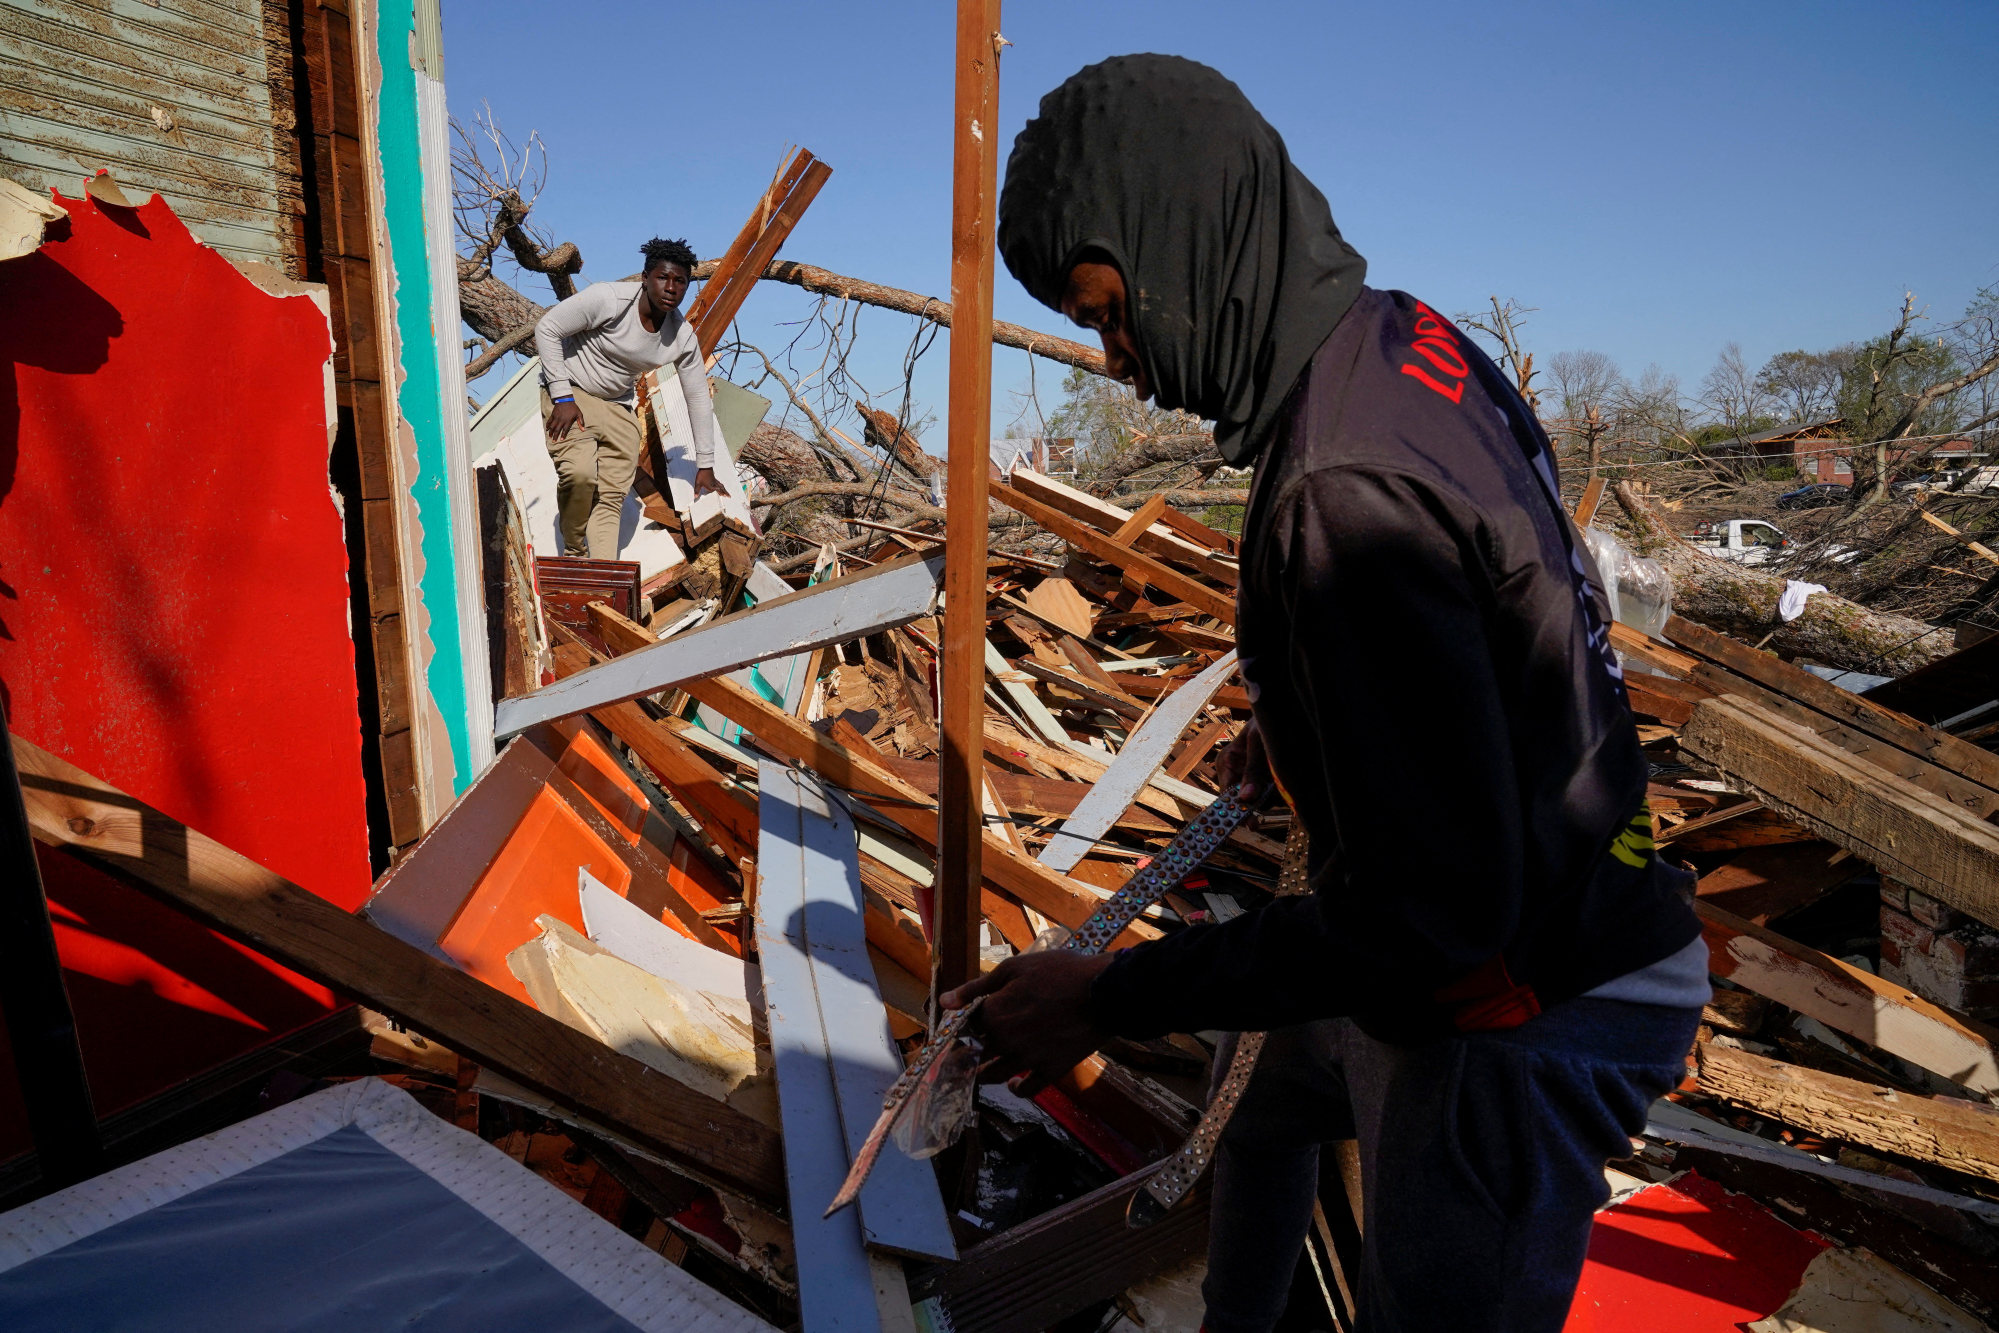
x=886 y=596
x=1134 y=767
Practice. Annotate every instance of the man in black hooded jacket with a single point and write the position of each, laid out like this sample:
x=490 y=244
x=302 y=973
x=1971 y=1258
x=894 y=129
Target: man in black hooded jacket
x=1495 y=974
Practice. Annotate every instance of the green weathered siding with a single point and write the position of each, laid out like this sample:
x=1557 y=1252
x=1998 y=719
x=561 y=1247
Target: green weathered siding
x=191 y=99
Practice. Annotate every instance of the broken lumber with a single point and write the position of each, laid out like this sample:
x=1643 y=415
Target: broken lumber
x=1136 y=564
x=1851 y=1000
x=1893 y=825
x=131 y=841
x=1955 y=1136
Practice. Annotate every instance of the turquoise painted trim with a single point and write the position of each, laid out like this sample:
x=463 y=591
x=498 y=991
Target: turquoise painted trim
x=421 y=397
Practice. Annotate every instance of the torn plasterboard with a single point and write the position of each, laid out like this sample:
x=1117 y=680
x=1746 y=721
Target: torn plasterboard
x=23 y=217
x=677 y=1029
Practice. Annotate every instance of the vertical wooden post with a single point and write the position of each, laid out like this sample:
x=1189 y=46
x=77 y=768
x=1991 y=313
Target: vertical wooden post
x=961 y=687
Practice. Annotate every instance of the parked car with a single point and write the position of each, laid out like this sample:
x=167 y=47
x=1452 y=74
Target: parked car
x=1818 y=495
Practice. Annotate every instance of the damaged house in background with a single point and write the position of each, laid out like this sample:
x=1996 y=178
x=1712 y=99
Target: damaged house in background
x=544 y=936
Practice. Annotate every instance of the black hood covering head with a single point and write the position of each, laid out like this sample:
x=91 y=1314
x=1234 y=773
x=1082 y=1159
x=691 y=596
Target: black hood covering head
x=1234 y=269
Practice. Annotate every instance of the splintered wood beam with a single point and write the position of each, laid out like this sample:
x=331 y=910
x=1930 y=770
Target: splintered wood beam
x=714 y=318
x=1101 y=545
x=1897 y=729
x=1164 y=533
x=1890 y=823
x=1952 y=1135
x=975 y=143
x=1851 y=1000
x=131 y=841
x=888 y=595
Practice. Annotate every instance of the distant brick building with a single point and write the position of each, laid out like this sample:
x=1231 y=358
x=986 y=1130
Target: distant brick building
x=1822 y=454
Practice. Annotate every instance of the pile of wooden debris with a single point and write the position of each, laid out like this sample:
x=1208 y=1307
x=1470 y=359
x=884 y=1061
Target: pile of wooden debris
x=670 y=950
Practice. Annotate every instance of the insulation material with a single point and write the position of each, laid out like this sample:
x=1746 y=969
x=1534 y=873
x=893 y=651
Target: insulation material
x=173 y=589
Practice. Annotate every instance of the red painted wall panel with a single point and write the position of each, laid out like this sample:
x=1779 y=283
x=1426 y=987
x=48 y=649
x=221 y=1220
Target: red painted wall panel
x=174 y=614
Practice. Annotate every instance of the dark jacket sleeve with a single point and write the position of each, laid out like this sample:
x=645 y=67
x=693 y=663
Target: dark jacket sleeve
x=1388 y=686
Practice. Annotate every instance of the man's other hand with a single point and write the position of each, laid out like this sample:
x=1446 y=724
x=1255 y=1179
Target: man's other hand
x=1036 y=1018
x=1246 y=763
x=565 y=418
x=704 y=482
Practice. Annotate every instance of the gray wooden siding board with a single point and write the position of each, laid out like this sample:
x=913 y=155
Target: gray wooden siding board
x=835 y=1282
x=102 y=91
x=826 y=989
x=78 y=80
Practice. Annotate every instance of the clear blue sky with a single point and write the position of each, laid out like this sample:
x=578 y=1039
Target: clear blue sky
x=1657 y=179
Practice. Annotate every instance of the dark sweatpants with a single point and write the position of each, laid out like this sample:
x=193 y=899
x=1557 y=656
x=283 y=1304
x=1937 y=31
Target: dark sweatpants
x=1481 y=1163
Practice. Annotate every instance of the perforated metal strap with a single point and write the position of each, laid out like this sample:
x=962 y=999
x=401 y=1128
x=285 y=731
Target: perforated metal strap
x=1170 y=1183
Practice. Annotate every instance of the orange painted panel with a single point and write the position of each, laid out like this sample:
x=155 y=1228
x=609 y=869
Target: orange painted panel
x=606 y=784
x=534 y=875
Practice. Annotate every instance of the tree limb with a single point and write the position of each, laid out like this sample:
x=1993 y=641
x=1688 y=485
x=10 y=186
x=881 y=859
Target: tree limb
x=827 y=283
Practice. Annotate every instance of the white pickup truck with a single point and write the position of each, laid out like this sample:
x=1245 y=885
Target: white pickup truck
x=1752 y=541
x=1746 y=541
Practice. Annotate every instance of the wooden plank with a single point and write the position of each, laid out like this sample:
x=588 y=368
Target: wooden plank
x=1032 y=1277
x=975 y=149
x=1142 y=519
x=1954 y=787
x=724 y=272
x=1134 y=766
x=131 y=841
x=1592 y=497
x=1233 y=697
x=716 y=316
x=1003 y=868
x=828 y=1030
x=889 y=595
x=1024 y=698
x=1035 y=797
x=1851 y=1000
x=1156 y=538
x=1898 y=729
x=1954 y=1136
x=1112 y=700
x=1893 y=825
x=1087 y=539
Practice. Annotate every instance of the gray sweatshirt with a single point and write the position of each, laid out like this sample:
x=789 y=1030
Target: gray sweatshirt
x=595 y=341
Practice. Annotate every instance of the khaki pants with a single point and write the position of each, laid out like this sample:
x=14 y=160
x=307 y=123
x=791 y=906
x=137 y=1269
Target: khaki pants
x=594 y=467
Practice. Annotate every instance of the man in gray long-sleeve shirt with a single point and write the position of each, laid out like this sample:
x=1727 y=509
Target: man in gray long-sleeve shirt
x=593 y=347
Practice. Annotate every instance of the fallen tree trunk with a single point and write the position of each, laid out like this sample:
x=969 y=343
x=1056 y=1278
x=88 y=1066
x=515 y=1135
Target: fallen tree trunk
x=1742 y=601
x=827 y=283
